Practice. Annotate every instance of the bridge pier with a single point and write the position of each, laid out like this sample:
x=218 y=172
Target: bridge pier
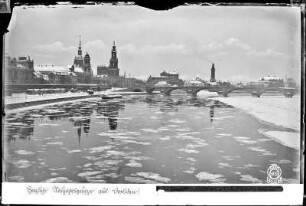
x=149 y=90
x=194 y=94
x=289 y=92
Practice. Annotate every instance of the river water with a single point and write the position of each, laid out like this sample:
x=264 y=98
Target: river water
x=143 y=139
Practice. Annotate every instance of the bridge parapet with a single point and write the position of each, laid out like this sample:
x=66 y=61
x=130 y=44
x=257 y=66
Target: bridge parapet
x=222 y=90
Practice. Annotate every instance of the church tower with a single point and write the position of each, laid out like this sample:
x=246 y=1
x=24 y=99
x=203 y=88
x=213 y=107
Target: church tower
x=113 y=69
x=78 y=60
x=80 y=48
x=113 y=62
x=212 y=73
x=87 y=65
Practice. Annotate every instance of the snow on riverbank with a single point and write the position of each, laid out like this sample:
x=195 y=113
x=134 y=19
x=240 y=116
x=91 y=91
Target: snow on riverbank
x=289 y=139
x=277 y=110
x=63 y=97
x=20 y=98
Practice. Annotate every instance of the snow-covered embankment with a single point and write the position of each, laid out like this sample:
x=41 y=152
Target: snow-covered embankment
x=277 y=110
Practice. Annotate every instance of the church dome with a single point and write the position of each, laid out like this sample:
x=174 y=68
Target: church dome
x=86 y=55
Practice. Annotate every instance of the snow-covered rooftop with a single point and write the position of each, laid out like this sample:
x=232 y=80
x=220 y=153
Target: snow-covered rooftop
x=193 y=83
x=45 y=77
x=20 y=66
x=51 y=68
x=161 y=83
x=78 y=69
x=103 y=75
x=171 y=72
x=269 y=78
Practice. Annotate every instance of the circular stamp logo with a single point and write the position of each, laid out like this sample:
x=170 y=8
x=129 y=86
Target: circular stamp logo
x=274 y=173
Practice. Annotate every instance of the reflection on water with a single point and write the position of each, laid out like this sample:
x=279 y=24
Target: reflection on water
x=23 y=126
x=211 y=111
x=20 y=127
x=142 y=139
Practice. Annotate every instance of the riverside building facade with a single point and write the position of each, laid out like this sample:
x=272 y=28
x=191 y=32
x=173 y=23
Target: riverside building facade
x=19 y=70
x=82 y=66
x=169 y=77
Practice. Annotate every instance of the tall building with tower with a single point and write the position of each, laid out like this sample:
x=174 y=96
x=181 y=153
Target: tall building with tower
x=213 y=73
x=78 y=60
x=113 y=62
x=82 y=66
x=87 y=65
x=112 y=70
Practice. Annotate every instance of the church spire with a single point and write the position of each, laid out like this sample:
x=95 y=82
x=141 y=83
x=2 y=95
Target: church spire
x=114 y=60
x=80 y=47
x=80 y=42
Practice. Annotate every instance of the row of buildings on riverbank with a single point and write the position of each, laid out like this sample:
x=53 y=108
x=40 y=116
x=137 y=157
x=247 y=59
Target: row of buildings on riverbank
x=22 y=70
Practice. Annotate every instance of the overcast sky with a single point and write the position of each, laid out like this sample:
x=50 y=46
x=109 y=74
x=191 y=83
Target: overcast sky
x=244 y=42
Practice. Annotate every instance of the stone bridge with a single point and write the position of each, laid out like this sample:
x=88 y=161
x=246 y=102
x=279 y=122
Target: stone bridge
x=222 y=90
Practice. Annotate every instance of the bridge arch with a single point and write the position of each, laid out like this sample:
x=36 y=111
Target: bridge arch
x=223 y=90
x=253 y=91
x=195 y=91
x=287 y=92
x=167 y=91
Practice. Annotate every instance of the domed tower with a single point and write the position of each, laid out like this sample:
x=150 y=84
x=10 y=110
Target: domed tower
x=87 y=65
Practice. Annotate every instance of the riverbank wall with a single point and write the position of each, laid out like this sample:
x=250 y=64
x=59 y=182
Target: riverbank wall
x=45 y=101
x=56 y=99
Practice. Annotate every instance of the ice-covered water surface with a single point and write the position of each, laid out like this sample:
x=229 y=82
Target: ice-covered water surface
x=143 y=139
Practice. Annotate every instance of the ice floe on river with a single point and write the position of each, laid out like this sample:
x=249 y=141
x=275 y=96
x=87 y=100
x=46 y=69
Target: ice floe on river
x=147 y=177
x=58 y=180
x=22 y=163
x=100 y=149
x=211 y=178
x=133 y=163
x=250 y=179
x=245 y=140
x=261 y=150
x=24 y=152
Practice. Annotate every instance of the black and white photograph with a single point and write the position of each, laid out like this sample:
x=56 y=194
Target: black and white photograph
x=125 y=94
